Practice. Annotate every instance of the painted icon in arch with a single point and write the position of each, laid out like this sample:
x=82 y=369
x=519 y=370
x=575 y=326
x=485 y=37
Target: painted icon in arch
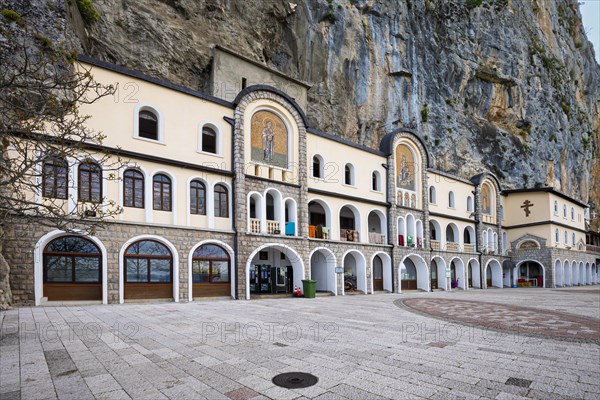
x=269 y=139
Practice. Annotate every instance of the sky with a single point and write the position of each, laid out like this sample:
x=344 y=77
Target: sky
x=590 y=11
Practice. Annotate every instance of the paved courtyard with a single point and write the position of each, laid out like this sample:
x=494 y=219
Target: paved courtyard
x=359 y=347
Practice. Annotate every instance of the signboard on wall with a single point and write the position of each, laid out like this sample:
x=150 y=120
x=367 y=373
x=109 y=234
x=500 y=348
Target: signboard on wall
x=339 y=270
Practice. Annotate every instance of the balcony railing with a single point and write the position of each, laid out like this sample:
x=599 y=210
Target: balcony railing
x=469 y=248
x=376 y=238
x=318 y=232
x=273 y=227
x=592 y=249
x=452 y=246
x=349 y=235
x=435 y=244
x=254 y=225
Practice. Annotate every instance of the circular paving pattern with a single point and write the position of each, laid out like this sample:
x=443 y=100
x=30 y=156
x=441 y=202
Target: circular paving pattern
x=502 y=317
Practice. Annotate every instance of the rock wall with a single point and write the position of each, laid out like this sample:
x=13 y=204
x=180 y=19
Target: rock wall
x=507 y=85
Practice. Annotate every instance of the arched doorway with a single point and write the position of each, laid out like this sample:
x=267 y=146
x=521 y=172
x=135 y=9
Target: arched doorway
x=413 y=273
x=530 y=274
x=493 y=274
x=457 y=274
x=567 y=273
x=319 y=216
x=508 y=273
x=350 y=226
x=273 y=269
x=474 y=274
x=376 y=227
x=355 y=272
x=148 y=271
x=322 y=270
x=574 y=273
x=438 y=273
x=582 y=274
x=383 y=262
x=211 y=276
x=558 y=274
x=72 y=269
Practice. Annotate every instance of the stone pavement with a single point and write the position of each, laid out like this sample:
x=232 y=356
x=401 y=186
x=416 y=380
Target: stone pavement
x=360 y=347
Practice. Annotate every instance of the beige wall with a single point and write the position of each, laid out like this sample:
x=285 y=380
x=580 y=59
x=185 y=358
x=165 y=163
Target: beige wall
x=181 y=117
x=335 y=156
x=515 y=215
x=443 y=185
x=228 y=71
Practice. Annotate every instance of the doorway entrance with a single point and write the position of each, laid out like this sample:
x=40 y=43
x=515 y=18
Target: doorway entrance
x=266 y=279
x=377 y=274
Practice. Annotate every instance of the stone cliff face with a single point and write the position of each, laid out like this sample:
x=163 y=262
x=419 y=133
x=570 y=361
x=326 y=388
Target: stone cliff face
x=507 y=85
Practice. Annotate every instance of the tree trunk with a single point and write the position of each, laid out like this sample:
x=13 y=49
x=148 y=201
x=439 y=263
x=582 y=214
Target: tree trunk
x=5 y=292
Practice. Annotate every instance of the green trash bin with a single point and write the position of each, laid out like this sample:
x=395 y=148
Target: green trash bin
x=310 y=288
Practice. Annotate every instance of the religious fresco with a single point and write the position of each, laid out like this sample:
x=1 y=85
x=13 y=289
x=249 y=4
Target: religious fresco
x=486 y=199
x=405 y=168
x=269 y=139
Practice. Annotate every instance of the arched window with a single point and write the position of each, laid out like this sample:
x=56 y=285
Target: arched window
x=565 y=211
x=432 y=195
x=133 y=189
x=72 y=259
x=450 y=237
x=566 y=238
x=221 y=201
x=209 y=140
x=469 y=203
x=349 y=174
x=451 y=202
x=161 y=192
x=210 y=264
x=572 y=214
x=376 y=181
x=197 y=197
x=317 y=167
x=55 y=178
x=557 y=235
x=90 y=182
x=148 y=261
x=573 y=238
x=148 y=125
x=555 y=207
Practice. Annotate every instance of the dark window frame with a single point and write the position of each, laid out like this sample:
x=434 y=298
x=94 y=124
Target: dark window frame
x=197 y=209
x=90 y=168
x=72 y=256
x=210 y=265
x=148 y=258
x=52 y=166
x=205 y=131
x=219 y=194
x=153 y=134
x=316 y=173
x=131 y=180
x=165 y=191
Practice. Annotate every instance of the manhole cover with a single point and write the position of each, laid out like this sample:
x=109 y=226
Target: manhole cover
x=295 y=380
x=518 y=382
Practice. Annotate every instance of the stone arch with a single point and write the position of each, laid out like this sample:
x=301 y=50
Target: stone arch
x=322 y=269
x=38 y=261
x=387 y=271
x=437 y=271
x=473 y=273
x=421 y=272
x=558 y=274
x=495 y=269
x=567 y=273
x=292 y=255
x=356 y=260
x=461 y=276
x=161 y=240
x=537 y=262
x=231 y=253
